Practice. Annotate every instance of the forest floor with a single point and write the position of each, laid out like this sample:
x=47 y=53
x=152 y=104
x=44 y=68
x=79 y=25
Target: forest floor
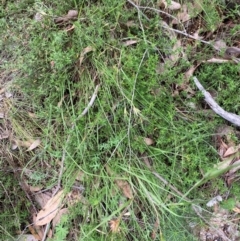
x=105 y=133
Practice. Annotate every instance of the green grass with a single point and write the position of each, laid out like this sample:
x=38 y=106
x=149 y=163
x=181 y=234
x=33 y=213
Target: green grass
x=108 y=142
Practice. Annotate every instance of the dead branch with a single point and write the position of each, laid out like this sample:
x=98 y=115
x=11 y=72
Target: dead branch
x=231 y=117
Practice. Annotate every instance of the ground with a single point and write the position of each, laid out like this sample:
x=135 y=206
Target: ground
x=104 y=135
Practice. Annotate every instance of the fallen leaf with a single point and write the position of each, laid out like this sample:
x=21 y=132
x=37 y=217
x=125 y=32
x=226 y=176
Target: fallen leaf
x=35 y=189
x=189 y=73
x=183 y=15
x=4 y=134
x=125 y=187
x=129 y=42
x=84 y=52
x=236 y=210
x=50 y=210
x=219 y=45
x=39 y=230
x=32 y=115
x=50 y=233
x=74 y=197
x=72 y=13
x=34 y=233
x=34 y=145
x=236 y=167
x=214 y=201
x=38 y=17
x=148 y=141
x=222 y=148
x=172 y=6
x=155 y=229
x=22 y=143
x=114 y=225
x=57 y=218
x=231 y=150
x=69 y=28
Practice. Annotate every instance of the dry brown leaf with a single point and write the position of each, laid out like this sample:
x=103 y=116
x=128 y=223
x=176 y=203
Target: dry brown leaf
x=220 y=45
x=148 y=141
x=38 y=229
x=114 y=225
x=50 y=233
x=189 y=73
x=19 y=143
x=34 y=145
x=125 y=187
x=84 y=52
x=172 y=6
x=231 y=150
x=129 y=42
x=50 y=210
x=32 y=115
x=34 y=233
x=69 y=28
x=236 y=210
x=74 y=197
x=231 y=175
x=35 y=189
x=155 y=229
x=72 y=14
x=222 y=148
x=57 y=218
x=183 y=15
x=4 y=134
x=146 y=160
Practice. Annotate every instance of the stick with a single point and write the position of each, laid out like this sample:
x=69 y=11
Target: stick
x=231 y=117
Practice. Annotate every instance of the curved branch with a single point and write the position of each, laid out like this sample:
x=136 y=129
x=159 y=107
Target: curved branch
x=233 y=118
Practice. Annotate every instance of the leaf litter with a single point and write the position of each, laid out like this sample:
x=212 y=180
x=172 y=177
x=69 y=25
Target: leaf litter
x=50 y=210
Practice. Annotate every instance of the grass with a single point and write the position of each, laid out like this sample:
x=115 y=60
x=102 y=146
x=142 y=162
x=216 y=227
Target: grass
x=51 y=87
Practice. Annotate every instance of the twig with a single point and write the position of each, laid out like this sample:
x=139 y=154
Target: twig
x=90 y=103
x=155 y=10
x=188 y=35
x=231 y=117
x=169 y=28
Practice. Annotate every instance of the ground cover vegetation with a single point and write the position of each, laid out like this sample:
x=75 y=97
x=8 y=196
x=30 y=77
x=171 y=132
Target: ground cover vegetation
x=103 y=132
